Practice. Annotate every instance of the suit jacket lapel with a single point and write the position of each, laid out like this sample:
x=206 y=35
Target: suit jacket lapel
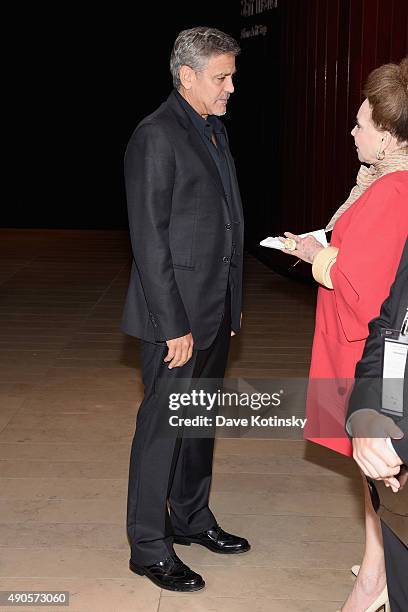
x=196 y=142
x=236 y=196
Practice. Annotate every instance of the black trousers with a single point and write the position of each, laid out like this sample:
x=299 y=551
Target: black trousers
x=170 y=475
x=396 y=565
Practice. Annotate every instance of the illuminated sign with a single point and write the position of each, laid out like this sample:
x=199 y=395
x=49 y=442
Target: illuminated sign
x=255 y=7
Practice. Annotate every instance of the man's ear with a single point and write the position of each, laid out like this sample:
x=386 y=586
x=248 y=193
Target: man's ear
x=186 y=75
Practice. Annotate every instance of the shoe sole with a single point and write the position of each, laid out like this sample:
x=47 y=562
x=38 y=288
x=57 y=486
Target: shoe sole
x=188 y=542
x=141 y=572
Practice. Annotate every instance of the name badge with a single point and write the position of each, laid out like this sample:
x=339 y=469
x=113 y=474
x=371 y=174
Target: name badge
x=394 y=362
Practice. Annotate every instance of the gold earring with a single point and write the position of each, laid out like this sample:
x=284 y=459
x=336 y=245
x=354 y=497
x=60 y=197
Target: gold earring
x=380 y=154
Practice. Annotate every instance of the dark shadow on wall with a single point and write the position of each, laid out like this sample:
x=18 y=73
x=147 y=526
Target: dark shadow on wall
x=87 y=79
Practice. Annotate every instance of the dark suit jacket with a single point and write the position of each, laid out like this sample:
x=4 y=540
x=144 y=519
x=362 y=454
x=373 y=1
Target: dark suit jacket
x=367 y=392
x=181 y=229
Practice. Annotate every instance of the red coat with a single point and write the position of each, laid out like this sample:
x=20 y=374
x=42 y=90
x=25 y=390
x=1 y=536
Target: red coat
x=370 y=237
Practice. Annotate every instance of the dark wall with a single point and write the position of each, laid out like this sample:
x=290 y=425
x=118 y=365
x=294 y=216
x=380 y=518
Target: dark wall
x=315 y=62
x=85 y=79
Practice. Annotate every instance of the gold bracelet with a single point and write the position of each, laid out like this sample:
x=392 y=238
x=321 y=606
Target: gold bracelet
x=322 y=264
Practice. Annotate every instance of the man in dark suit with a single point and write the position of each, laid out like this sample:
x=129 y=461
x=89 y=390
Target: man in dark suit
x=184 y=299
x=380 y=443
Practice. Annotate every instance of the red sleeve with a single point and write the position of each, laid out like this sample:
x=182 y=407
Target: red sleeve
x=369 y=254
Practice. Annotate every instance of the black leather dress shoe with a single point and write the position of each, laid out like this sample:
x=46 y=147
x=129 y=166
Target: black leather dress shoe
x=217 y=540
x=170 y=574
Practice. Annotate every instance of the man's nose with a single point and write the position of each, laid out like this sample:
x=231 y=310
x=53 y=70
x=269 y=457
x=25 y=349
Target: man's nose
x=229 y=85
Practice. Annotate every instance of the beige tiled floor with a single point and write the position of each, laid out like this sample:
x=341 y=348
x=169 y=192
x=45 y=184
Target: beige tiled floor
x=69 y=391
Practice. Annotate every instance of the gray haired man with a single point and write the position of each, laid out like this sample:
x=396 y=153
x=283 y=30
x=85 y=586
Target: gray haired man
x=184 y=300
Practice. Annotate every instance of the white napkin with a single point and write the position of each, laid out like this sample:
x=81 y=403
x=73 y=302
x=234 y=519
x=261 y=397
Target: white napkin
x=273 y=242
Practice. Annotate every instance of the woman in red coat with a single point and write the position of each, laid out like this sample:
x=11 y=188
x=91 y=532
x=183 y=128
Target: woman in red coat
x=355 y=273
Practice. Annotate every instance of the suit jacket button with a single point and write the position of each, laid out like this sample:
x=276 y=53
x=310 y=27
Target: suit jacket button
x=226 y=259
x=228 y=226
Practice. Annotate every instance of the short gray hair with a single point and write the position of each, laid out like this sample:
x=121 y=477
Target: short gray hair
x=194 y=47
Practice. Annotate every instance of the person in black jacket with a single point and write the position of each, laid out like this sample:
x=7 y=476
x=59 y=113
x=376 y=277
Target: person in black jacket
x=183 y=301
x=380 y=443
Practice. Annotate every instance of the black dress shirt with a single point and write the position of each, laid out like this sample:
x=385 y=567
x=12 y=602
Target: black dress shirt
x=207 y=128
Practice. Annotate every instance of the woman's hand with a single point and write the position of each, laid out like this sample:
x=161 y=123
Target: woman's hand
x=306 y=248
